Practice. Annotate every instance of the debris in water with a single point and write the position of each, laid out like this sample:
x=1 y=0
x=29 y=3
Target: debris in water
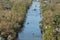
x=34 y=9
x=28 y=23
x=33 y=34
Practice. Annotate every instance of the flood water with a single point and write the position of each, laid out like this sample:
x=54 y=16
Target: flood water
x=31 y=30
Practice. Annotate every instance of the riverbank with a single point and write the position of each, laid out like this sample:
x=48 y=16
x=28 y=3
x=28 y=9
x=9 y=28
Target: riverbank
x=12 y=16
x=50 y=24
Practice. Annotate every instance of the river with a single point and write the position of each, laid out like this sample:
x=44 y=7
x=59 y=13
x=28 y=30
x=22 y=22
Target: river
x=31 y=30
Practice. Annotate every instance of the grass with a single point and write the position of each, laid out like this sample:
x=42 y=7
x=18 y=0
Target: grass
x=51 y=19
x=12 y=15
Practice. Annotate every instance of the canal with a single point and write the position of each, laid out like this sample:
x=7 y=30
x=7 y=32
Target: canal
x=31 y=30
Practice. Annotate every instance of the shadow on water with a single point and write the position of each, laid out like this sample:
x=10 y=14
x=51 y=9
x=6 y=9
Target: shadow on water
x=31 y=29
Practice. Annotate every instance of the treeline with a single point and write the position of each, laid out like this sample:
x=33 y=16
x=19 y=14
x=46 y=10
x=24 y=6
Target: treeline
x=12 y=16
x=50 y=24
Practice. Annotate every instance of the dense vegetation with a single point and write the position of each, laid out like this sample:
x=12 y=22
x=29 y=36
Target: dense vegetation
x=12 y=16
x=50 y=24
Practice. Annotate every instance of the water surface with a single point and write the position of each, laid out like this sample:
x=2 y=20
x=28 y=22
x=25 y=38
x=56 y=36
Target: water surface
x=31 y=26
